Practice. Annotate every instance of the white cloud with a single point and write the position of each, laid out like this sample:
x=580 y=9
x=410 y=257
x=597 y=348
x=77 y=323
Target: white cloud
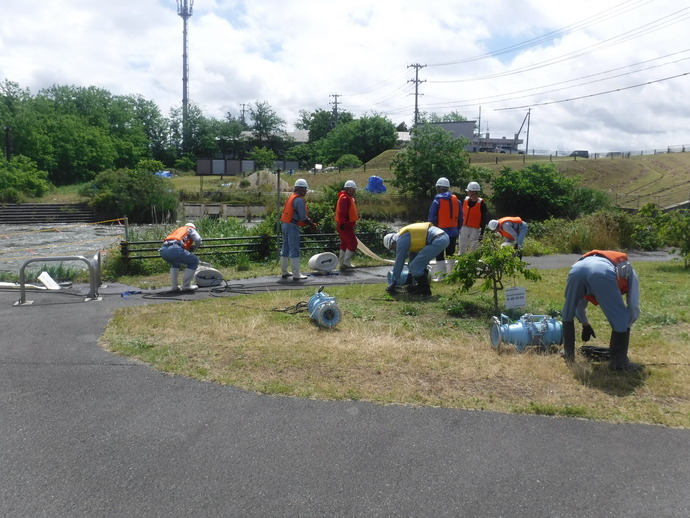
x=296 y=55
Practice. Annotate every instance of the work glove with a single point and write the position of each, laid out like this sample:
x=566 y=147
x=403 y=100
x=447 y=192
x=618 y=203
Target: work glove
x=391 y=289
x=481 y=236
x=634 y=314
x=587 y=333
x=342 y=226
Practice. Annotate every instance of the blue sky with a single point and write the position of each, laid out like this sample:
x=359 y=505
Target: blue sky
x=296 y=55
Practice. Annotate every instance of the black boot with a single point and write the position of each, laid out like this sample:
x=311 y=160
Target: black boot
x=569 y=341
x=618 y=348
x=420 y=285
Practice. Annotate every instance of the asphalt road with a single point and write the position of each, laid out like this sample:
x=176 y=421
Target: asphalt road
x=86 y=433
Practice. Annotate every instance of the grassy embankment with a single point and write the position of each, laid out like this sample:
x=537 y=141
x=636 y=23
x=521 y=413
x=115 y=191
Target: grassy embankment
x=434 y=351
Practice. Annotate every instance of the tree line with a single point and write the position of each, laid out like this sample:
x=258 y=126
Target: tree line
x=72 y=133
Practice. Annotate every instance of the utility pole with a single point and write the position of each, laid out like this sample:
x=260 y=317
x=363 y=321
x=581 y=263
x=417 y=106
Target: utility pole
x=416 y=82
x=184 y=9
x=335 y=108
x=242 y=114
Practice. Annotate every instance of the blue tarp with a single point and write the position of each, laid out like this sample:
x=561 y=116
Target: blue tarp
x=375 y=185
x=164 y=174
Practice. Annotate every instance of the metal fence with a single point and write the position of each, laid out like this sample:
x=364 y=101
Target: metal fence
x=258 y=247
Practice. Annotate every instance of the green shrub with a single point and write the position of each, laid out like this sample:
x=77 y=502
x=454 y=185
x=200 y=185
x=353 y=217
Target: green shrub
x=141 y=196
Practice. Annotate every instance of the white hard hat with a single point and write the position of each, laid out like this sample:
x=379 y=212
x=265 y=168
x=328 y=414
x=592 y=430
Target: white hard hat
x=473 y=186
x=493 y=224
x=350 y=184
x=388 y=239
x=190 y=224
x=506 y=243
x=443 y=182
x=301 y=182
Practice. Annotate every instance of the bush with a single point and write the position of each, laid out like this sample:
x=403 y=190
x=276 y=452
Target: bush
x=348 y=161
x=21 y=177
x=141 y=196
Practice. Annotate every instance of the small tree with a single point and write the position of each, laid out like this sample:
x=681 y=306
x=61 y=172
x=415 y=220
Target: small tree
x=490 y=262
x=263 y=158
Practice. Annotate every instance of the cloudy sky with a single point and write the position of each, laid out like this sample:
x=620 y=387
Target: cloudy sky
x=602 y=75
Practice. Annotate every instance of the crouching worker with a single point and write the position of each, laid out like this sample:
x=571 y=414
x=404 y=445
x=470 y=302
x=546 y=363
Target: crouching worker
x=513 y=230
x=602 y=277
x=177 y=250
x=421 y=242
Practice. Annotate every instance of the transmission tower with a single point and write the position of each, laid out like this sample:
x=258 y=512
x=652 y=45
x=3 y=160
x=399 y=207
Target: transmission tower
x=416 y=82
x=184 y=9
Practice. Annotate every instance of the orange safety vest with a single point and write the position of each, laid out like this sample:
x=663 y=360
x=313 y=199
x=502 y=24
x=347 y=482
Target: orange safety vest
x=288 y=210
x=615 y=258
x=447 y=212
x=472 y=218
x=181 y=235
x=352 y=215
x=508 y=219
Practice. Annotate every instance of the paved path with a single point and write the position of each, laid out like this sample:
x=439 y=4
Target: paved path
x=85 y=433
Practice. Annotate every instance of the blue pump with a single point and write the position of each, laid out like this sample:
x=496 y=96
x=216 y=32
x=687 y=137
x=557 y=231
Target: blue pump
x=530 y=330
x=324 y=309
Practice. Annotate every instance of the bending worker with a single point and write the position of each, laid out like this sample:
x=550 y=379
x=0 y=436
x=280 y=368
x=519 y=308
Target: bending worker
x=445 y=213
x=177 y=250
x=602 y=277
x=295 y=215
x=421 y=242
x=346 y=218
x=513 y=229
x=474 y=218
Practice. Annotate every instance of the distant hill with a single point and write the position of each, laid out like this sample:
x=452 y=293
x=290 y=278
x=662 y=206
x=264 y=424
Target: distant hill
x=663 y=179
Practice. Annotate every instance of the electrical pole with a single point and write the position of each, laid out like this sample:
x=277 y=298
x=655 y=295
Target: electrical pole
x=244 y=124
x=184 y=9
x=416 y=82
x=335 y=108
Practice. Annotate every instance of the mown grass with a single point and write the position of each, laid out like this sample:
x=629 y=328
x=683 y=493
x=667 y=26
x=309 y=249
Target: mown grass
x=433 y=351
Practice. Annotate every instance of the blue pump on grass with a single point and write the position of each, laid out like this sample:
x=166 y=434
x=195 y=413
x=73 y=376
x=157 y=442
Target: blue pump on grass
x=530 y=330
x=324 y=309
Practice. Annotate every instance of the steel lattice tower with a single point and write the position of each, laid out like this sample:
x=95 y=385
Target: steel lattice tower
x=184 y=9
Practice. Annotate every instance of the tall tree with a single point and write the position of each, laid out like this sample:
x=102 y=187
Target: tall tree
x=265 y=121
x=432 y=152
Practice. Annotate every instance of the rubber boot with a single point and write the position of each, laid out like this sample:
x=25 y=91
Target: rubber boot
x=347 y=264
x=174 y=275
x=420 y=285
x=618 y=350
x=341 y=256
x=284 y=273
x=187 y=279
x=296 y=275
x=439 y=270
x=450 y=264
x=569 y=341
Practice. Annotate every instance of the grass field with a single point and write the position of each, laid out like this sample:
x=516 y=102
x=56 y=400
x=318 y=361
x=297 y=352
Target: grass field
x=663 y=179
x=434 y=351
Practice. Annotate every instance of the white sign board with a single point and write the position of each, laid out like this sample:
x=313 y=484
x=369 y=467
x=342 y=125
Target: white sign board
x=516 y=298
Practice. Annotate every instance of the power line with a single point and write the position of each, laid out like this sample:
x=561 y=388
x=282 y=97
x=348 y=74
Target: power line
x=594 y=95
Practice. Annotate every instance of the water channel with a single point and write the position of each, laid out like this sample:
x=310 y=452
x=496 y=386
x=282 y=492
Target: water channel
x=21 y=242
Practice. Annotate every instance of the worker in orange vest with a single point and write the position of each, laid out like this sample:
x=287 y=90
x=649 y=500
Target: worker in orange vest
x=295 y=215
x=177 y=250
x=474 y=218
x=513 y=229
x=445 y=213
x=602 y=277
x=345 y=219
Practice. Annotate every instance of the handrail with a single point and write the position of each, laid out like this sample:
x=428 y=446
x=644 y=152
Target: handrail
x=94 y=274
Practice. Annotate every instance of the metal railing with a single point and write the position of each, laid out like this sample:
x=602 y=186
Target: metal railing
x=261 y=247
x=94 y=266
